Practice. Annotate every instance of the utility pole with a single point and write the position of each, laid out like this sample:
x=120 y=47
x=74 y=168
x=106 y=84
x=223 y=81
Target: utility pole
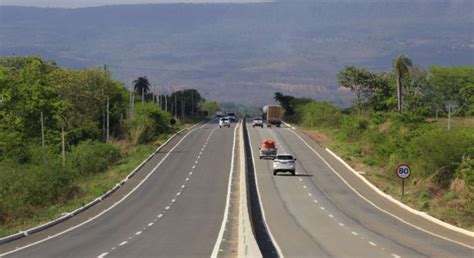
x=43 y=150
x=183 y=107
x=449 y=117
x=175 y=104
x=108 y=121
x=192 y=103
x=63 y=146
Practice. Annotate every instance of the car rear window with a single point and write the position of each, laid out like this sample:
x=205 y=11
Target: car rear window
x=285 y=157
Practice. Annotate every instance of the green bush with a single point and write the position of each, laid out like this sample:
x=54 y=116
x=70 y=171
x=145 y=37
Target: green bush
x=319 y=114
x=352 y=127
x=148 y=122
x=439 y=152
x=91 y=157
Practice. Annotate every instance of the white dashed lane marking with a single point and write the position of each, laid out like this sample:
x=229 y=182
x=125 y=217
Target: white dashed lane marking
x=150 y=224
x=102 y=255
x=354 y=233
x=372 y=243
x=123 y=243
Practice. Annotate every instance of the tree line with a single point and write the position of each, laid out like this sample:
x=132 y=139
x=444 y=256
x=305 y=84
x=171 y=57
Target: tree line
x=59 y=127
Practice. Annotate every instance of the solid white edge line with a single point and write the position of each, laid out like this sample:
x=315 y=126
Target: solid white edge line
x=280 y=254
x=373 y=204
x=220 y=236
x=106 y=210
x=400 y=204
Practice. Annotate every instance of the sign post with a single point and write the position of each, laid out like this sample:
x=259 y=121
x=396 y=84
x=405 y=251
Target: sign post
x=403 y=172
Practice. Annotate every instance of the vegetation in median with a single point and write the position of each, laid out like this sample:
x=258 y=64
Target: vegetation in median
x=68 y=136
x=375 y=137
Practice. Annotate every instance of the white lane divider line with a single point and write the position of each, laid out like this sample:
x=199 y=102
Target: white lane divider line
x=173 y=200
x=167 y=208
x=160 y=215
x=123 y=243
x=341 y=224
x=150 y=224
x=322 y=208
x=355 y=233
x=309 y=194
x=372 y=243
x=304 y=186
x=331 y=216
x=315 y=201
x=187 y=178
x=396 y=256
x=191 y=172
x=178 y=193
x=183 y=186
x=301 y=180
x=102 y=255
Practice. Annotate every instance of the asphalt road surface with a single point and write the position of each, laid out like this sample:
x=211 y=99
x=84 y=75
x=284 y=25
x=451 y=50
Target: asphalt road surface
x=177 y=211
x=315 y=214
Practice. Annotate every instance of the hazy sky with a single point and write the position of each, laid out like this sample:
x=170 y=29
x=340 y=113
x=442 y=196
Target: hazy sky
x=85 y=3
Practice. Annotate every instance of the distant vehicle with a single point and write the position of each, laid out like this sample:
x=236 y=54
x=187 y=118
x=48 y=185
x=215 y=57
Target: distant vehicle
x=224 y=121
x=273 y=115
x=284 y=163
x=267 y=149
x=219 y=114
x=231 y=116
x=257 y=122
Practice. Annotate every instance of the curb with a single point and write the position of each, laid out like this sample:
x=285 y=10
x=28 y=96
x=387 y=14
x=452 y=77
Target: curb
x=69 y=215
x=400 y=204
x=247 y=244
x=395 y=201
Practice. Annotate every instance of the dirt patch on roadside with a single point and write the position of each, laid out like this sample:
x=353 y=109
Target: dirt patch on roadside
x=319 y=137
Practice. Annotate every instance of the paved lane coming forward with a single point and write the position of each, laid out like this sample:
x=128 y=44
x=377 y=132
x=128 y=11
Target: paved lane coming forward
x=316 y=214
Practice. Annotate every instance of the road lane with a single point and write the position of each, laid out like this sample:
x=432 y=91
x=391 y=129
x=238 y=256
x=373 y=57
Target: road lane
x=176 y=212
x=336 y=219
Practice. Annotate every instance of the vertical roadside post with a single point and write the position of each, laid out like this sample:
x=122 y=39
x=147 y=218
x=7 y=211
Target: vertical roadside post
x=403 y=171
x=43 y=154
x=108 y=120
x=63 y=151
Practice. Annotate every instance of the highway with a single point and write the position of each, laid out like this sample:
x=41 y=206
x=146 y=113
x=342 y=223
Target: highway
x=177 y=211
x=316 y=214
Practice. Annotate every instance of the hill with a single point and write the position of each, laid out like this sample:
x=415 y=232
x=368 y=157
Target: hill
x=244 y=52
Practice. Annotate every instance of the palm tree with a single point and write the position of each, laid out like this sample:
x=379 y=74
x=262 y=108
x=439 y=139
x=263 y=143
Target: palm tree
x=401 y=66
x=141 y=86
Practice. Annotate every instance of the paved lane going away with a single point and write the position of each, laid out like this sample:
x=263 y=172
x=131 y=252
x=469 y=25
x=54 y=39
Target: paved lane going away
x=177 y=211
x=315 y=214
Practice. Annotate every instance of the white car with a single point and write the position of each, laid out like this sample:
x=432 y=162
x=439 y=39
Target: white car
x=257 y=122
x=284 y=163
x=224 y=121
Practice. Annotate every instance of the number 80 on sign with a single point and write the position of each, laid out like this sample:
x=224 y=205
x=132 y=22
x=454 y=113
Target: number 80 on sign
x=403 y=171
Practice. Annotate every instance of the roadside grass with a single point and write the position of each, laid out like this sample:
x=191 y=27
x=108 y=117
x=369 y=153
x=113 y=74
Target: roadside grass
x=92 y=186
x=454 y=204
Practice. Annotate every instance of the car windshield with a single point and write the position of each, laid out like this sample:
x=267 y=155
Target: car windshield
x=285 y=157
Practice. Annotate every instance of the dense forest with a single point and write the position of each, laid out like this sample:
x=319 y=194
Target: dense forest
x=432 y=132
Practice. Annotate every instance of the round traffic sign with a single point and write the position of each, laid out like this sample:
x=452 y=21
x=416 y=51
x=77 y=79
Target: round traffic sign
x=403 y=171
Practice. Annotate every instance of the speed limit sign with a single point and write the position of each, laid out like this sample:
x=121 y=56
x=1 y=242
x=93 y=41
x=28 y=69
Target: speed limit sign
x=403 y=171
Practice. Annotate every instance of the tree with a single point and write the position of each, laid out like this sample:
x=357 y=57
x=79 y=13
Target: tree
x=285 y=102
x=141 y=86
x=360 y=81
x=401 y=67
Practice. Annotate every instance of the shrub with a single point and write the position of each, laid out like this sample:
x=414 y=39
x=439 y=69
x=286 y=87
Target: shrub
x=91 y=157
x=319 y=114
x=439 y=152
x=148 y=122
